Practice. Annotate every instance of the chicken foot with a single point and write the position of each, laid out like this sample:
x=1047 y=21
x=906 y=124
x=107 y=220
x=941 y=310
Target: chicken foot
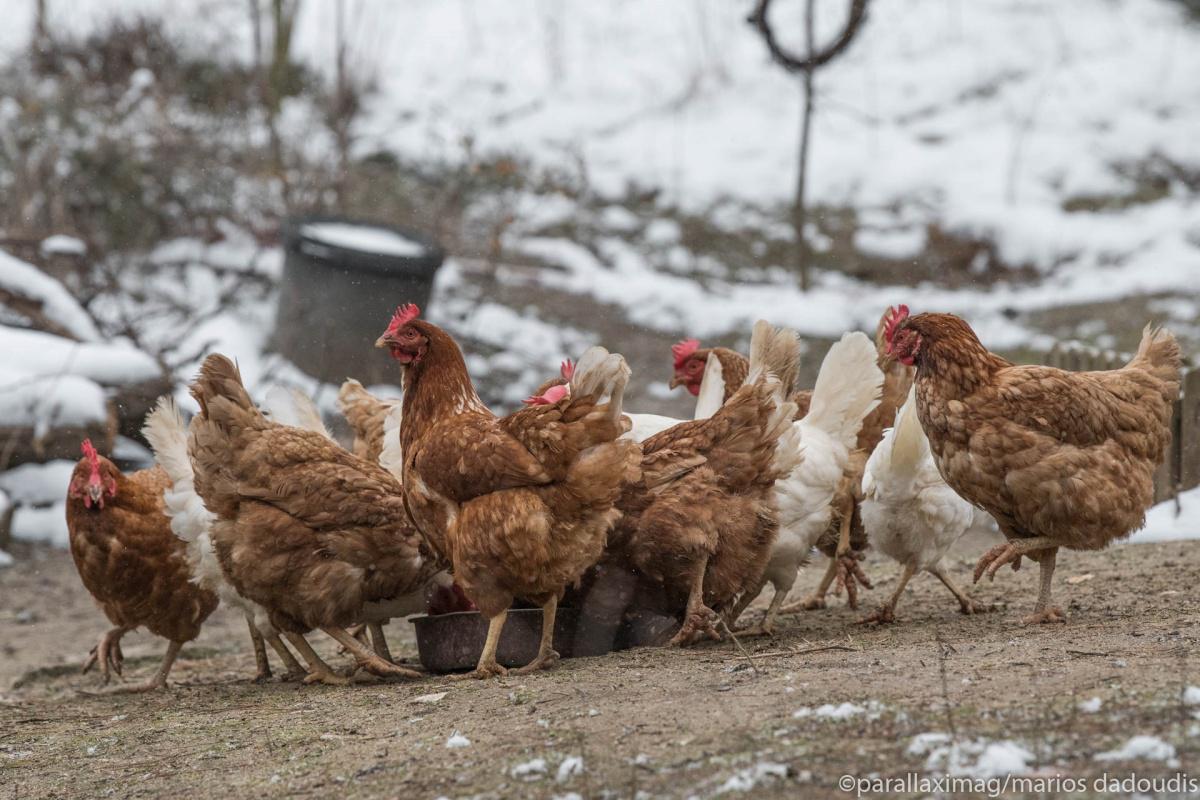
x=546 y=656
x=699 y=619
x=887 y=612
x=368 y=659
x=488 y=667
x=159 y=679
x=107 y=655
x=767 y=626
x=1046 y=550
x=1043 y=612
x=965 y=603
x=318 y=670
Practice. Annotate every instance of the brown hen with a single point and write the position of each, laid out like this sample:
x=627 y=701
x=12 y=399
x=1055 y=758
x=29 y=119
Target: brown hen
x=312 y=533
x=520 y=506
x=702 y=520
x=1059 y=459
x=131 y=562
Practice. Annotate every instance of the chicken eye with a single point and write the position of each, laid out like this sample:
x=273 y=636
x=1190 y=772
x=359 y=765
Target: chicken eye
x=694 y=366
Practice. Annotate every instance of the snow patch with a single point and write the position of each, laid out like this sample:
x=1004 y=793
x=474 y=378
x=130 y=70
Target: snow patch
x=1167 y=523
x=977 y=758
x=60 y=244
x=57 y=304
x=530 y=770
x=363 y=238
x=38 y=484
x=1091 y=706
x=457 y=740
x=570 y=767
x=46 y=524
x=762 y=773
x=1149 y=748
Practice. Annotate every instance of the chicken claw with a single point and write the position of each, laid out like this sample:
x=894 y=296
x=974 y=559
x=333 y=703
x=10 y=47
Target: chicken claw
x=849 y=576
x=994 y=559
x=545 y=661
x=482 y=672
x=884 y=615
x=1050 y=614
x=700 y=623
x=107 y=655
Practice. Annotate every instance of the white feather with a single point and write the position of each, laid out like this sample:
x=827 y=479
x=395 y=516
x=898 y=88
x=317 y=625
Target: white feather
x=712 y=389
x=191 y=521
x=847 y=389
x=908 y=510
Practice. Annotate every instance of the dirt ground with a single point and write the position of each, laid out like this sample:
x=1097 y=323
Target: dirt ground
x=648 y=722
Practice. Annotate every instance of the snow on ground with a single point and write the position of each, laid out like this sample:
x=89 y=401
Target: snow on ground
x=978 y=758
x=985 y=118
x=1164 y=525
x=37 y=353
x=47 y=524
x=57 y=304
x=37 y=483
x=1149 y=748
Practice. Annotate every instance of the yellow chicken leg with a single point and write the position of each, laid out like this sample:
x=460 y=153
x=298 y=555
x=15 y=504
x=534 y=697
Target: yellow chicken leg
x=546 y=656
x=160 y=675
x=488 y=667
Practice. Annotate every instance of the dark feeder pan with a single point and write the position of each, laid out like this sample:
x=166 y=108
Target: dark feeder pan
x=453 y=642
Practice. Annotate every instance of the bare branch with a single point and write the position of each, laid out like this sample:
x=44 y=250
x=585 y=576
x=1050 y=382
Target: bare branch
x=811 y=61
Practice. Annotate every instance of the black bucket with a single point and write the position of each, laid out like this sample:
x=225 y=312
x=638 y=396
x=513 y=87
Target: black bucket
x=342 y=279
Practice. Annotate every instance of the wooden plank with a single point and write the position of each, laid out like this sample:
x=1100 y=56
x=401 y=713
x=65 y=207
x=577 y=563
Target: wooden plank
x=1189 y=431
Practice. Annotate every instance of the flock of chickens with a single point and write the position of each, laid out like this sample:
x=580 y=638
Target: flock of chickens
x=442 y=506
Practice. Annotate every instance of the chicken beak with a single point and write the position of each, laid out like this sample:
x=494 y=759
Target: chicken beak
x=383 y=341
x=676 y=382
x=95 y=492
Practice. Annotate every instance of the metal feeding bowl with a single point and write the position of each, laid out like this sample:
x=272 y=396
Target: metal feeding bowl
x=451 y=642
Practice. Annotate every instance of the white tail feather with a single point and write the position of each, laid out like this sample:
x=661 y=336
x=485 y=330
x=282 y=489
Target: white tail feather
x=601 y=373
x=391 y=457
x=848 y=388
x=909 y=446
x=712 y=389
x=190 y=520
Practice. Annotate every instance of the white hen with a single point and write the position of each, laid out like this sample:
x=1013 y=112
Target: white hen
x=167 y=434
x=847 y=389
x=909 y=512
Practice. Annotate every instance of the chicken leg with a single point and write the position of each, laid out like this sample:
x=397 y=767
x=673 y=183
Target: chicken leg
x=699 y=619
x=1046 y=550
x=107 y=654
x=546 y=656
x=488 y=667
x=263 y=672
x=318 y=670
x=767 y=626
x=378 y=642
x=159 y=680
x=817 y=599
x=367 y=659
x=887 y=612
x=965 y=603
x=295 y=672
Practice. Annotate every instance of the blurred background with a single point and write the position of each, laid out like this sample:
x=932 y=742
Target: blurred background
x=267 y=178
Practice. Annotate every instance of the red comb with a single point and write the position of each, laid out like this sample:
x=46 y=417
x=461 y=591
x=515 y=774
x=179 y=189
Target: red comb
x=567 y=370
x=893 y=319
x=404 y=315
x=552 y=396
x=682 y=350
x=89 y=452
